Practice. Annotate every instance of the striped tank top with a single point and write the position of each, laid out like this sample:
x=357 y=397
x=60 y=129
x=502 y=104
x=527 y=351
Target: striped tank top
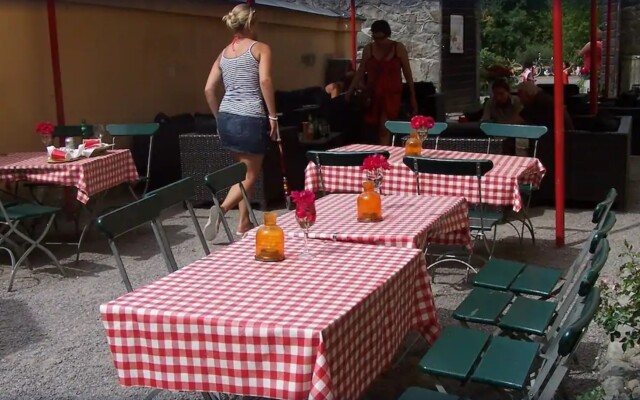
x=242 y=85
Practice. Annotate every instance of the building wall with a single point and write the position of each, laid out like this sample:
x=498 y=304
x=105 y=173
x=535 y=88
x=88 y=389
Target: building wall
x=125 y=61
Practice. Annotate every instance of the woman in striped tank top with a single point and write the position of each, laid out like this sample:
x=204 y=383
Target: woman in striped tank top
x=243 y=72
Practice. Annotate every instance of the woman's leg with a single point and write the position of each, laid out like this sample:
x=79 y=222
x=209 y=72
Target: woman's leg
x=234 y=197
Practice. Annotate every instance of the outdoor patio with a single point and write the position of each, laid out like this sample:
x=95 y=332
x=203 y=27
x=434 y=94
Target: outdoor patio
x=53 y=343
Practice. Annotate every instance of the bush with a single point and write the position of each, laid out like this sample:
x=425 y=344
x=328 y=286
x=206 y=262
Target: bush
x=530 y=54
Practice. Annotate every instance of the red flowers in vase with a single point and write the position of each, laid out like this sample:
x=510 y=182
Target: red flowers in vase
x=421 y=122
x=374 y=162
x=45 y=129
x=305 y=206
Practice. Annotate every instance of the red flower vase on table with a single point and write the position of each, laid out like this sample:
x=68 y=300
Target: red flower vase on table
x=305 y=215
x=45 y=130
x=373 y=167
x=422 y=124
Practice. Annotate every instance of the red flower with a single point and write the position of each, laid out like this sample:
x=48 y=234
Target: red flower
x=422 y=122
x=45 y=128
x=305 y=205
x=374 y=162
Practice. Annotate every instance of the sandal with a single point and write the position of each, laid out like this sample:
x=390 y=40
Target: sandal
x=212 y=226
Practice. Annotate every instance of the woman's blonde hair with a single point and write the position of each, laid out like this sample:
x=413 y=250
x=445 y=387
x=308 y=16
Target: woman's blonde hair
x=240 y=18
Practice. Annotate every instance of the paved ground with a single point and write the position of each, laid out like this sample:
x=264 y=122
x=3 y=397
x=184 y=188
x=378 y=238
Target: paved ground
x=52 y=344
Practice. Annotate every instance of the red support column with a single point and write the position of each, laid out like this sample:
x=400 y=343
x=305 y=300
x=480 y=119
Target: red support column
x=55 y=61
x=607 y=71
x=593 y=82
x=354 y=48
x=558 y=95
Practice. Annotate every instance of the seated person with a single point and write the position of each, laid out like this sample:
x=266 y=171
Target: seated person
x=335 y=89
x=501 y=107
x=537 y=108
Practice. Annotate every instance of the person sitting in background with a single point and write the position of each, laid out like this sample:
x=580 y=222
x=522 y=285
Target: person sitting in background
x=335 y=89
x=501 y=106
x=538 y=108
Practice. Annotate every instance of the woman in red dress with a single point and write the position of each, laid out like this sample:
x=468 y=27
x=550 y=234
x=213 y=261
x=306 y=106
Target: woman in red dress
x=384 y=62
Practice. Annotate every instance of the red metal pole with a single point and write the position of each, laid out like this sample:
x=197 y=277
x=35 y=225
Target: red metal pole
x=593 y=82
x=354 y=49
x=558 y=95
x=55 y=61
x=607 y=71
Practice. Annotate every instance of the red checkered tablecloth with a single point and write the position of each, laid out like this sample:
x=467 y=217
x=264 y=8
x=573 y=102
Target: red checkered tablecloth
x=409 y=221
x=88 y=175
x=499 y=186
x=297 y=329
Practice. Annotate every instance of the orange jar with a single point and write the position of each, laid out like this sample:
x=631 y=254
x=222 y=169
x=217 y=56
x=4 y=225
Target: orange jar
x=270 y=240
x=413 y=145
x=369 y=204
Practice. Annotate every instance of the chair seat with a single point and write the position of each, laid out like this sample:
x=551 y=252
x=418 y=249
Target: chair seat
x=526 y=189
x=536 y=280
x=23 y=211
x=418 y=393
x=506 y=363
x=498 y=274
x=483 y=306
x=528 y=315
x=455 y=352
x=484 y=220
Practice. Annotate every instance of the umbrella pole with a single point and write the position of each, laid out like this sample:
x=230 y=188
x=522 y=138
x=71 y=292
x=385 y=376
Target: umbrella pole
x=558 y=94
x=55 y=61
x=354 y=49
x=593 y=81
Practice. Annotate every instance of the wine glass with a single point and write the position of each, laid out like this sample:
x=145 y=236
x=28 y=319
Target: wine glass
x=306 y=217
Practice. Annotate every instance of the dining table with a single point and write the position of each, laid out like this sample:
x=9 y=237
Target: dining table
x=500 y=186
x=320 y=328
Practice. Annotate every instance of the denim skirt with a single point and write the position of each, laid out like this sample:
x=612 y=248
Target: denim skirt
x=243 y=134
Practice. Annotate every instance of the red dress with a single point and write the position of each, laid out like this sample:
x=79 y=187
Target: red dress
x=384 y=81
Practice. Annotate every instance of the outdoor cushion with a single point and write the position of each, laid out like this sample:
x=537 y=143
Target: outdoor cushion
x=529 y=316
x=483 y=306
x=498 y=274
x=536 y=280
x=454 y=353
x=489 y=219
x=506 y=363
x=418 y=393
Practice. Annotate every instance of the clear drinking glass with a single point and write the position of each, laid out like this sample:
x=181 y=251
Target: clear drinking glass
x=306 y=217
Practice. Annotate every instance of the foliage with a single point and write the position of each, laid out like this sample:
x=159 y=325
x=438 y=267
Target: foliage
x=520 y=29
x=619 y=312
x=594 y=394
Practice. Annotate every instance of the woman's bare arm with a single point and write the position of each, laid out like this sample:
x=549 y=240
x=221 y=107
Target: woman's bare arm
x=266 y=83
x=366 y=53
x=212 y=88
x=406 y=71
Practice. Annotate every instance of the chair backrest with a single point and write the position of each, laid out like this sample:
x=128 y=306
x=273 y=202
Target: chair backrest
x=342 y=158
x=604 y=206
x=403 y=128
x=443 y=166
x=147 y=129
x=181 y=191
x=598 y=262
x=574 y=332
x=532 y=132
x=65 y=131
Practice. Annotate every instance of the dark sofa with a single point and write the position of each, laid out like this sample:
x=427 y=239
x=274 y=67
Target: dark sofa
x=596 y=159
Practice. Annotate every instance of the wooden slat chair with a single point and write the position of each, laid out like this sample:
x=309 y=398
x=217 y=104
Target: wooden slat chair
x=523 y=278
x=468 y=355
x=180 y=192
x=224 y=179
x=12 y=217
x=401 y=129
x=339 y=159
x=531 y=132
x=136 y=130
x=481 y=220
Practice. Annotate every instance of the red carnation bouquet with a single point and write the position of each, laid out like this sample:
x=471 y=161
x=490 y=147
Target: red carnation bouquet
x=372 y=166
x=45 y=130
x=421 y=122
x=305 y=207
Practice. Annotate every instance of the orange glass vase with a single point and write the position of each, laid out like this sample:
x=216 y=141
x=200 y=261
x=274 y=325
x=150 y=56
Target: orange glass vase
x=413 y=145
x=270 y=240
x=369 y=204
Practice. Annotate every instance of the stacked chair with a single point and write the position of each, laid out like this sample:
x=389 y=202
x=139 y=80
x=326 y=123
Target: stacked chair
x=529 y=353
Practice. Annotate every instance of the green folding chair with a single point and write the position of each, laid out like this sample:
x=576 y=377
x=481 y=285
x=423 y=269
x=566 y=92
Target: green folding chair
x=339 y=159
x=531 y=132
x=180 y=192
x=12 y=217
x=224 y=179
x=402 y=129
x=136 y=130
x=481 y=220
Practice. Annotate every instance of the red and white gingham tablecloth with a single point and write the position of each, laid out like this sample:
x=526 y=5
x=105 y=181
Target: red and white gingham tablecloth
x=499 y=186
x=89 y=175
x=297 y=329
x=409 y=221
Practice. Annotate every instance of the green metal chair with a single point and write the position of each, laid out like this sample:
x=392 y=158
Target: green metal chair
x=136 y=130
x=339 y=159
x=531 y=132
x=403 y=128
x=481 y=220
x=523 y=278
x=180 y=192
x=224 y=179
x=11 y=217
x=503 y=363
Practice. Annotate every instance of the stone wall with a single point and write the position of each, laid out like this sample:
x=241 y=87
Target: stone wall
x=630 y=28
x=415 y=23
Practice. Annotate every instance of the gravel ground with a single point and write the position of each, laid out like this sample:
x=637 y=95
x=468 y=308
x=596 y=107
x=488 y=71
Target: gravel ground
x=53 y=346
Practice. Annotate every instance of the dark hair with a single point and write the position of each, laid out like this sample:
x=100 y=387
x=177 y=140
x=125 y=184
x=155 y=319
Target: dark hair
x=381 y=26
x=501 y=84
